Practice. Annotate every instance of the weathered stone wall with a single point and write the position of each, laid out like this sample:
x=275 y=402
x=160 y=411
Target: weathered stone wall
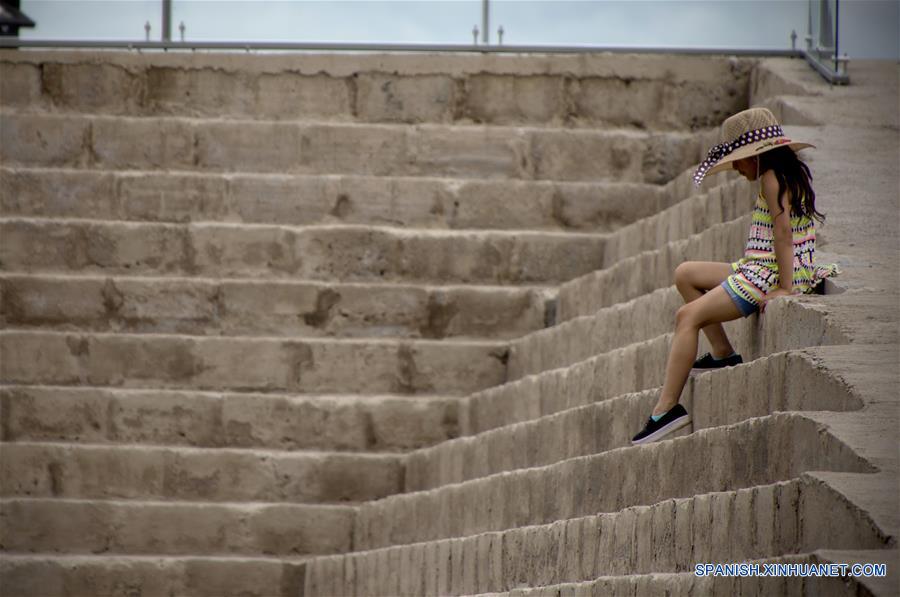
x=645 y=92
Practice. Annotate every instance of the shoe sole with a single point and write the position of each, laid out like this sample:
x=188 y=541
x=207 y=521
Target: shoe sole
x=698 y=371
x=664 y=431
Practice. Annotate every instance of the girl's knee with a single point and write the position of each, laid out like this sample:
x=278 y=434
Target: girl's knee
x=690 y=315
x=683 y=273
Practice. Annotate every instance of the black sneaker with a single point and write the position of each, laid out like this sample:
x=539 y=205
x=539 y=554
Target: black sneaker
x=708 y=362
x=673 y=420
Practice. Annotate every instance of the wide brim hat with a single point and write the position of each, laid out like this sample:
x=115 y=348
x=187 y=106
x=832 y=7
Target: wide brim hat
x=746 y=134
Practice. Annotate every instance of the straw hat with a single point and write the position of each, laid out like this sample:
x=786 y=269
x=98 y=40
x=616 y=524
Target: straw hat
x=745 y=134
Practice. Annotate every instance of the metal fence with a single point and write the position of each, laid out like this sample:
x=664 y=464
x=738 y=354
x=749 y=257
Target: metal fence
x=821 y=50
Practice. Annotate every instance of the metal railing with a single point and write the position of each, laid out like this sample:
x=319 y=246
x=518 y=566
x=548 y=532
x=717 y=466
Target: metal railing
x=380 y=47
x=821 y=47
x=823 y=41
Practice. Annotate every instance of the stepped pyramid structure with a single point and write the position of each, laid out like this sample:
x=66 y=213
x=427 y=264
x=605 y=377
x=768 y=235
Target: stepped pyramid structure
x=308 y=325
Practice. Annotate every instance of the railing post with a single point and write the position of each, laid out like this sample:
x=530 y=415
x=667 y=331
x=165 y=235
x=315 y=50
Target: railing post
x=837 y=47
x=809 y=27
x=167 y=20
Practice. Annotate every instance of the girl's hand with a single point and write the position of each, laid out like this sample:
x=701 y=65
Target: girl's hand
x=773 y=295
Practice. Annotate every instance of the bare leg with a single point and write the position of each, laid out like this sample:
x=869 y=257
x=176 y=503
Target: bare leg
x=693 y=279
x=714 y=307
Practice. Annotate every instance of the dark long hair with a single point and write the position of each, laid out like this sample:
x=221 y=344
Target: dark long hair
x=792 y=174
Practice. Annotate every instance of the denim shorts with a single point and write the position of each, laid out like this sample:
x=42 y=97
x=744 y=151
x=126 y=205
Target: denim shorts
x=744 y=306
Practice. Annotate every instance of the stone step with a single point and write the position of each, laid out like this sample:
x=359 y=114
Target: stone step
x=667 y=536
x=787 y=381
x=686 y=215
x=757 y=451
x=332 y=253
x=651 y=270
x=548 y=372
x=238 y=307
x=611 y=328
x=592 y=90
x=435 y=203
x=49 y=575
x=105 y=142
x=347 y=423
x=105 y=575
x=802 y=319
x=173 y=528
x=636 y=367
x=113 y=472
x=688 y=584
x=251 y=364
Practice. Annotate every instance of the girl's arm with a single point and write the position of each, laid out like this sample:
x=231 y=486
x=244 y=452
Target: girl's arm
x=784 y=237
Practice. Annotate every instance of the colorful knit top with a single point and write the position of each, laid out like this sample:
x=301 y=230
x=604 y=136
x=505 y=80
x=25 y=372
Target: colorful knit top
x=756 y=274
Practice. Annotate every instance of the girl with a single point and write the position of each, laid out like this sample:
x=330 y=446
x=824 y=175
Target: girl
x=782 y=239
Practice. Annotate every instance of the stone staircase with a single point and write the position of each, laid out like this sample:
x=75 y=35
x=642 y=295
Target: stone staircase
x=385 y=325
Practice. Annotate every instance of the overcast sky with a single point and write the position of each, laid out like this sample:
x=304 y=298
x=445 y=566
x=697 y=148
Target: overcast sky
x=869 y=28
